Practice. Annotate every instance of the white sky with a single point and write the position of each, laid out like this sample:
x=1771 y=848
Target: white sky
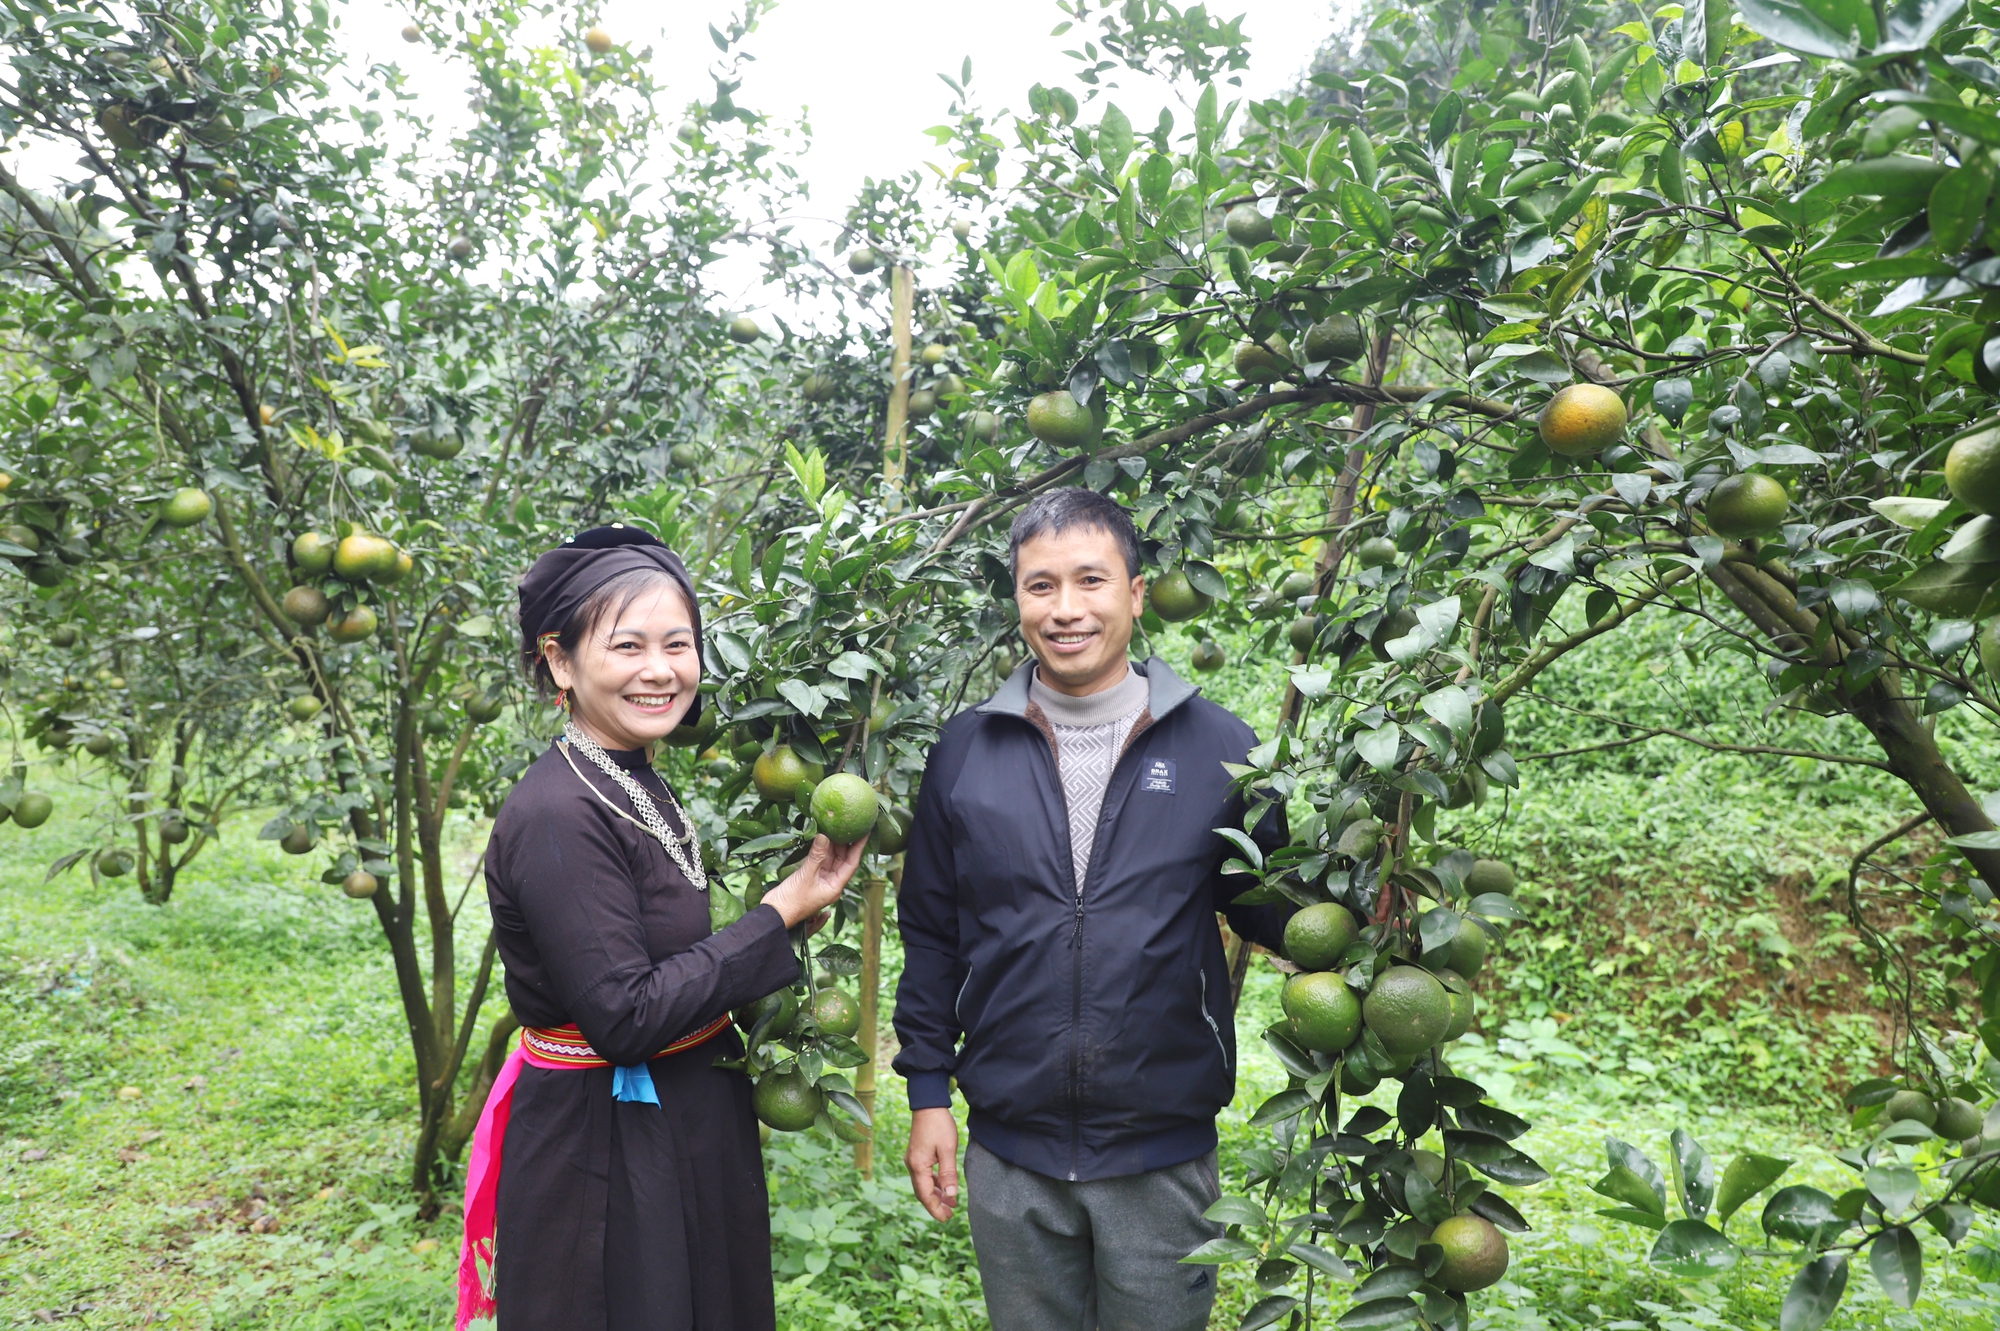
x=865 y=73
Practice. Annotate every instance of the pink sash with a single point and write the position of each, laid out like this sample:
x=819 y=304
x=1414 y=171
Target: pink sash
x=562 y=1047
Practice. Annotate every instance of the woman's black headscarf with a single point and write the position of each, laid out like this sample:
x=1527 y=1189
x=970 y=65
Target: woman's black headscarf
x=563 y=579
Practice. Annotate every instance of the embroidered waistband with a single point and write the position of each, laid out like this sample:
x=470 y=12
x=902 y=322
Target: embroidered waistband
x=565 y=1047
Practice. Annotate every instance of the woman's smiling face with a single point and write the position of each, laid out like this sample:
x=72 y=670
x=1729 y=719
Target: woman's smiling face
x=634 y=674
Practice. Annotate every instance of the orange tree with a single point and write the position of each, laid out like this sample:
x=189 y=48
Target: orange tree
x=310 y=384
x=1518 y=327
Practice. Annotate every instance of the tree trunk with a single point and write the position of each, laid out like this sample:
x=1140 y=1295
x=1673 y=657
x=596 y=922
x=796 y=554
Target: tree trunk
x=1910 y=748
x=871 y=1005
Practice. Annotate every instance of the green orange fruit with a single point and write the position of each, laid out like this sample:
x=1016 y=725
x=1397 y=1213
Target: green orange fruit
x=1247 y=226
x=356 y=624
x=1408 y=1010
x=1747 y=504
x=1316 y=937
x=306 y=606
x=1176 y=599
x=1337 y=339
x=362 y=557
x=787 y=1101
x=779 y=774
x=846 y=807
x=1264 y=362
x=33 y=809
x=313 y=552
x=186 y=508
x=1475 y=1253
x=1324 y=1013
x=1490 y=876
x=836 y=1012
x=1058 y=418
x=1972 y=470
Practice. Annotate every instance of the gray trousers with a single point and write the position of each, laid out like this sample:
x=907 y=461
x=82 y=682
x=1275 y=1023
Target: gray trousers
x=1098 y=1256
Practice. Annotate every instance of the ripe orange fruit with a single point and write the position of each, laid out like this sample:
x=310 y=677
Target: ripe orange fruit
x=598 y=40
x=1582 y=420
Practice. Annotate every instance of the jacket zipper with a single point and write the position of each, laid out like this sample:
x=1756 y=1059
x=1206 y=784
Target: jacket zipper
x=1214 y=1029
x=1076 y=942
x=1104 y=815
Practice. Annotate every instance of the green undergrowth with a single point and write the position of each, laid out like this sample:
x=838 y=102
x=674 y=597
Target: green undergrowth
x=205 y=1112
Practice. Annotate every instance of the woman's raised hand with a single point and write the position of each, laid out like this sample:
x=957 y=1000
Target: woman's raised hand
x=816 y=884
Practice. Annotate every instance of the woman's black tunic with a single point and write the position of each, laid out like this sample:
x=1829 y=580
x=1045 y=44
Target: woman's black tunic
x=623 y=1216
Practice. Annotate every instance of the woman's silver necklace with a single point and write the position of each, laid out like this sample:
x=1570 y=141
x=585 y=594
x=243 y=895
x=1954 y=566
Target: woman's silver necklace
x=654 y=822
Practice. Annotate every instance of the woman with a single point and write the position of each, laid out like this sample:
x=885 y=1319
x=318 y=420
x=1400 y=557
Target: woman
x=632 y=1194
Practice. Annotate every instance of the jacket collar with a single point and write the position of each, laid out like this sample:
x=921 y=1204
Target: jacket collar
x=1164 y=690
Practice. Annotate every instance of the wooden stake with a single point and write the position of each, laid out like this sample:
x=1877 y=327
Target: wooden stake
x=896 y=443
x=871 y=1004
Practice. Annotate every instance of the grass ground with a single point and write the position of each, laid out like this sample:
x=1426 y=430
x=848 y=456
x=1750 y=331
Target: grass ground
x=205 y=1125
x=204 y=1108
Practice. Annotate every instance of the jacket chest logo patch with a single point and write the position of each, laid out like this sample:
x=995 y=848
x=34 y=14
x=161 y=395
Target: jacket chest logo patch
x=1158 y=778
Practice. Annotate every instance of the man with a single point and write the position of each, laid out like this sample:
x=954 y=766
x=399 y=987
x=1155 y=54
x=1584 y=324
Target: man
x=1058 y=915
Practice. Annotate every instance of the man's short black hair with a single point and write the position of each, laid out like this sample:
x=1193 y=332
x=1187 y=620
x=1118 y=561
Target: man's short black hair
x=1057 y=511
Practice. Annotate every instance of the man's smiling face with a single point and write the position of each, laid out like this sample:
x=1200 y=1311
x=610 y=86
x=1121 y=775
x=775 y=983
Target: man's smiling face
x=1078 y=601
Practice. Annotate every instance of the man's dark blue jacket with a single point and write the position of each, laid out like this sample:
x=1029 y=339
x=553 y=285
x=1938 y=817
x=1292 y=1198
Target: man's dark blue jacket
x=1098 y=1039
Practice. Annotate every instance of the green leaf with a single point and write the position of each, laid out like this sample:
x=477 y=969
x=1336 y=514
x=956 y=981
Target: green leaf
x=1946 y=589
x=1894 y=1186
x=1814 y=1294
x=1266 y=1311
x=1363 y=210
x=1450 y=708
x=1909 y=25
x=1206 y=579
x=1632 y=1215
x=1692 y=1250
x=1236 y=1211
x=1320 y=1259
x=1622 y=1184
x=1114 y=139
x=1389 y=1282
x=1378 y=747
x=1897 y=1260
x=1217 y=1251
x=1814 y=27
x=1746 y=1176
x=1378 y=1313
x=1896 y=176
x=1803 y=1215
x=1694 y=1174
x=1280 y=1106
x=1444 y=119
x=1958 y=203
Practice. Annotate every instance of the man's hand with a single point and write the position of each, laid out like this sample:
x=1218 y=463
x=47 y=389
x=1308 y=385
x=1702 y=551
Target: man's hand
x=933 y=1161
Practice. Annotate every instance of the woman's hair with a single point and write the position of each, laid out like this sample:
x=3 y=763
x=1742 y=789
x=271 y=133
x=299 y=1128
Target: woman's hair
x=611 y=600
